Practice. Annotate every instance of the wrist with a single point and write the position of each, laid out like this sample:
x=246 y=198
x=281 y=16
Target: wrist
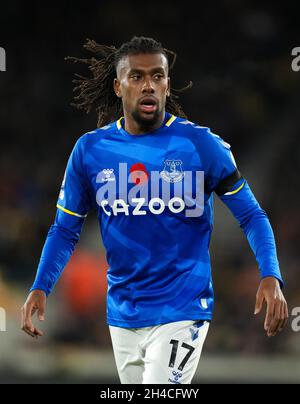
x=272 y=279
x=37 y=291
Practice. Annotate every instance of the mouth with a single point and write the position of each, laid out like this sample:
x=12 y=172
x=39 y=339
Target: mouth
x=148 y=105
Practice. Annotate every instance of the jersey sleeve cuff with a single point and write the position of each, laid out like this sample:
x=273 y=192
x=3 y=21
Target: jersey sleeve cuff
x=40 y=287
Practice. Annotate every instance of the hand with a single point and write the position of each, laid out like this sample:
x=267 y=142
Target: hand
x=277 y=310
x=36 y=301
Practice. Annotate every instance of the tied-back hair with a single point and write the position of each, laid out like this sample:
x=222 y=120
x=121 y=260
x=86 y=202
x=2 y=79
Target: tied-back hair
x=96 y=92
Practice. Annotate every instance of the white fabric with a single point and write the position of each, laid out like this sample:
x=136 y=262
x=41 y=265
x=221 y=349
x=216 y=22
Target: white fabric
x=143 y=354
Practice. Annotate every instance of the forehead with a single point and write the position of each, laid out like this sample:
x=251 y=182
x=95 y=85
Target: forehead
x=143 y=62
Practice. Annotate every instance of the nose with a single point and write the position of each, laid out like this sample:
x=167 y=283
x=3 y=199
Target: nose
x=148 y=86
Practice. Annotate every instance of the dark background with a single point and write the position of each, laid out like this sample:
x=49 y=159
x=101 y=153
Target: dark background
x=238 y=56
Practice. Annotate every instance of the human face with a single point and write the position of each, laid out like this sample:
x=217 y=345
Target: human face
x=143 y=84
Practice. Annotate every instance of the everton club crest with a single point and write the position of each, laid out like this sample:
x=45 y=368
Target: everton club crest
x=172 y=171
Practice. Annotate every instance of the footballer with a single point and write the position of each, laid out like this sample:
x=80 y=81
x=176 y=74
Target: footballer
x=151 y=175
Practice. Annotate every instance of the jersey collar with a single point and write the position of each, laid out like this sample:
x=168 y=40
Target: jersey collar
x=169 y=119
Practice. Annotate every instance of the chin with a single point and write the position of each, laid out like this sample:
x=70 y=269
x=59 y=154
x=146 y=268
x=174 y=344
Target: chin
x=146 y=120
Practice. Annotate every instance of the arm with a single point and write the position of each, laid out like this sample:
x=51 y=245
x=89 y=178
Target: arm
x=73 y=205
x=58 y=248
x=223 y=177
x=256 y=226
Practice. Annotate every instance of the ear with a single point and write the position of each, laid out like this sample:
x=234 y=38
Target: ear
x=117 y=88
x=169 y=87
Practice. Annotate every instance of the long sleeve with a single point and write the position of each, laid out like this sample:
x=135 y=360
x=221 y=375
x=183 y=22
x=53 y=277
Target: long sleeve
x=57 y=251
x=73 y=204
x=223 y=177
x=256 y=226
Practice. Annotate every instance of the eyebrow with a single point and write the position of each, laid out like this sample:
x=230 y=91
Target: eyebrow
x=158 y=69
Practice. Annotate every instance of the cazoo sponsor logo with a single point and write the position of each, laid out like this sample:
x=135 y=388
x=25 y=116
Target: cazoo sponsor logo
x=153 y=192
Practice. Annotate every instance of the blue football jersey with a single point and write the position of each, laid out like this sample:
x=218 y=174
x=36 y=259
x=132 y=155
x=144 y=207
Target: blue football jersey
x=153 y=194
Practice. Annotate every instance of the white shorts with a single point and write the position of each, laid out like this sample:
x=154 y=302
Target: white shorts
x=161 y=354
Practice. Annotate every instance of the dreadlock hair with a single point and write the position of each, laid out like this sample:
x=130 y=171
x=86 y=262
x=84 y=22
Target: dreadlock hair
x=97 y=93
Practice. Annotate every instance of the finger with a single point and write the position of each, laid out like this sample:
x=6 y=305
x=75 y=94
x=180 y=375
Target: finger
x=258 y=303
x=286 y=311
x=23 y=320
x=22 y=317
x=38 y=332
x=28 y=331
x=282 y=317
x=27 y=325
x=28 y=308
x=269 y=313
x=41 y=312
x=277 y=319
x=286 y=315
x=27 y=320
x=35 y=333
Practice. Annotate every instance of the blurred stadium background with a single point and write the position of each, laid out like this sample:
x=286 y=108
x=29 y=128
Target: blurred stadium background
x=238 y=55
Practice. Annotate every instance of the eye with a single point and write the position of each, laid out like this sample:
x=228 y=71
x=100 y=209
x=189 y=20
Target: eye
x=158 y=76
x=135 y=77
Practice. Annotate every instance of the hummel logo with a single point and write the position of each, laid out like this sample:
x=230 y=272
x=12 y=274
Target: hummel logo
x=108 y=175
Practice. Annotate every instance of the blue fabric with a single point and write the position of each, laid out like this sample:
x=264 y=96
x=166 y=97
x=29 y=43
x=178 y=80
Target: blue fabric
x=159 y=265
x=257 y=228
x=58 y=248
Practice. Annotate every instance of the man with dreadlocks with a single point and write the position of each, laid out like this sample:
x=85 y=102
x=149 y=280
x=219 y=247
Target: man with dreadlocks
x=150 y=174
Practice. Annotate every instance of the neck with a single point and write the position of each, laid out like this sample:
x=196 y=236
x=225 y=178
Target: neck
x=135 y=128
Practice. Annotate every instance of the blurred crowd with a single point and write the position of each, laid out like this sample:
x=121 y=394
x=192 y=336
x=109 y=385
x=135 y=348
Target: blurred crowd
x=239 y=60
